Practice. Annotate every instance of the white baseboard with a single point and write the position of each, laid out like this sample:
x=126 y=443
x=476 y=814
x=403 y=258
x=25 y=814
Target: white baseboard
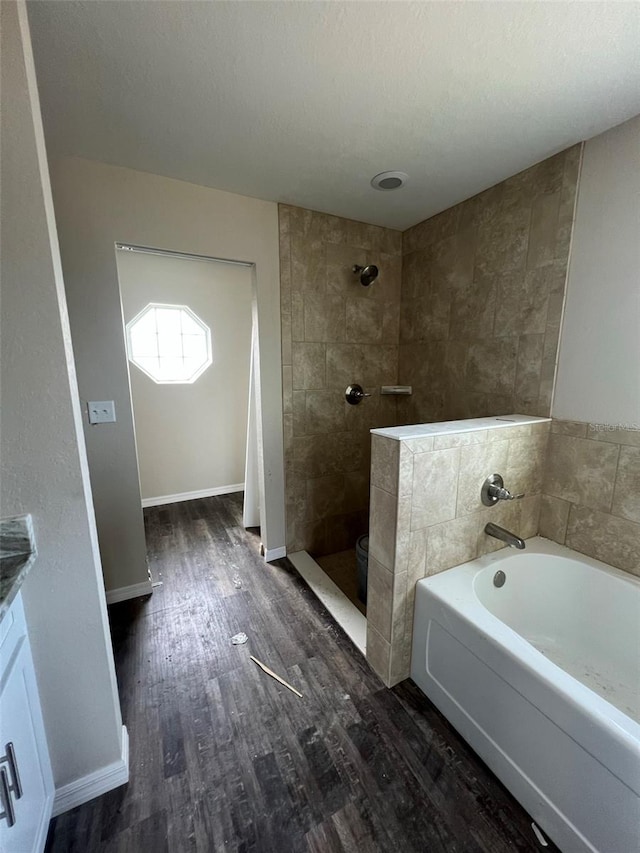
x=274 y=554
x=94 y=784
x=123 y=593
x=193 y=496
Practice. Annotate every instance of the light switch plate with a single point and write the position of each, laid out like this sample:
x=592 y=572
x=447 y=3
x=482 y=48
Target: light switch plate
x=101 y=411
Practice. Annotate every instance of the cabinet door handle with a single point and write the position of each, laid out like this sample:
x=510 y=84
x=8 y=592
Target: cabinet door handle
x=7 y=812
x=10 y=758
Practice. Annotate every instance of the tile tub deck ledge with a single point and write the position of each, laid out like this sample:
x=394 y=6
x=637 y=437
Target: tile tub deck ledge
x=404 y=433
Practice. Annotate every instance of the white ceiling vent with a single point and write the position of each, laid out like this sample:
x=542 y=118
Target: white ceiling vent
x=389 y=181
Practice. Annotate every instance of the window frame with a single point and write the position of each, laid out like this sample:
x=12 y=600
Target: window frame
x=207 y=362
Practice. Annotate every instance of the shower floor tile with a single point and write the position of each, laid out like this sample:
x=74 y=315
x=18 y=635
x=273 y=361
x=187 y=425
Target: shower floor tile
x=342 y=568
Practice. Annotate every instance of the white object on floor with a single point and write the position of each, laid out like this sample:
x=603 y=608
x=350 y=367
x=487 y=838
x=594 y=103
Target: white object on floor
x=538 y=834
x=275 y=675
x=346 y=614
x=239 y=639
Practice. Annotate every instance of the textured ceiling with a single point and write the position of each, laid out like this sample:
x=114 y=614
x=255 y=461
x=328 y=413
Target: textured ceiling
x=304 y=102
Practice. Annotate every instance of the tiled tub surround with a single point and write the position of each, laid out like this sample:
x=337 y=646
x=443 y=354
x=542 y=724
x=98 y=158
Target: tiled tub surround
x=482 y=294
x=334 y=332
x=591 y=499
x=426 y=514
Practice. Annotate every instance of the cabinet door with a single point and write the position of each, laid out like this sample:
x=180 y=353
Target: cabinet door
x=21 y=724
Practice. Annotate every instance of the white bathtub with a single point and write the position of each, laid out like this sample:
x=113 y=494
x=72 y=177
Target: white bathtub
x=542 y=678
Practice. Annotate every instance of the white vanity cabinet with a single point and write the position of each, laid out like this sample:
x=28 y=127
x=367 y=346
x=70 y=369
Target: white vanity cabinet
x=26 y=784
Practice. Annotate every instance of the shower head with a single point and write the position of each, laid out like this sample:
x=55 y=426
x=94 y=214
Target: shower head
x=368 y=274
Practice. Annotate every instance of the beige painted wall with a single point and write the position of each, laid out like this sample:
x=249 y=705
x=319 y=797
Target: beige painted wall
x=334 y=332
x=192 y=437
x=96 y=206
x=482 y=294
x=44 y=464
x=599 y=365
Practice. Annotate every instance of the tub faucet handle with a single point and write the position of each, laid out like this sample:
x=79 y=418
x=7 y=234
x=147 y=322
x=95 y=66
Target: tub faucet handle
x=493 y=490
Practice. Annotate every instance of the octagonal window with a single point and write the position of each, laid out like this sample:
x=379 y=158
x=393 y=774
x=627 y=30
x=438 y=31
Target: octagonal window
x=169 y=343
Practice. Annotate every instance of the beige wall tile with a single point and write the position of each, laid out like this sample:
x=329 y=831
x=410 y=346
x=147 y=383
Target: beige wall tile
x=325 y=496
x=616 y=435
x=451 y=543
x=526 y=464
x=554 y=515
x=400 y=664
x=405 y=473
x=324 y=317
x=385 y=453
x=606 y=537
x=287 y=389
x=345 y=365
x=506 y=433
x=378 y=653
x=581 y=471
x=459 y=439
x=324 y=412
x=420 y=445
x=400 y=637
x=502 y=241
x=285 y=321
x=308 y=264
x=299 y=405
x=310 y=456
x=529 y=366
x=543 y=231
x=308 y=366
x=492 y=267
x=316 y=282
x=297 y=316
x=382 y=527
x=435 y=477
x=391 y=322
x=472 y=309
x=522 y=303
x=356 y=490
x=416 y=568
x=575 y=428
x=491 y=365
x=364 y=321
x=403 y=533
x=379 y=597
x=477 y=462
x=626 y=493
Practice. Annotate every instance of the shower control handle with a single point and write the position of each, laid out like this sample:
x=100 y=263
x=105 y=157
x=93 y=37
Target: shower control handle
x=493 y=490
x=355 y=394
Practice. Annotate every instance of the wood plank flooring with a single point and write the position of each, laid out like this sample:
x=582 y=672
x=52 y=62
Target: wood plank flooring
x=223 y=758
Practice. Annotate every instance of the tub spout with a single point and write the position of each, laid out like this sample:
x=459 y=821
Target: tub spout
x=498 y=532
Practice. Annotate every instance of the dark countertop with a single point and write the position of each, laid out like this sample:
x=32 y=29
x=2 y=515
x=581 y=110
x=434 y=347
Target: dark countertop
x=17 y=555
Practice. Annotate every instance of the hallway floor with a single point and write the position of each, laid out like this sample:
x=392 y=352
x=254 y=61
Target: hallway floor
x=224 y=758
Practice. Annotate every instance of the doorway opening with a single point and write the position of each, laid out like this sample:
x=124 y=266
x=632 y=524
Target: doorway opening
x=191 y=347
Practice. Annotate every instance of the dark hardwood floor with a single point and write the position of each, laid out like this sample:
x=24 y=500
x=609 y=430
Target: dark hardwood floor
x=224 y=758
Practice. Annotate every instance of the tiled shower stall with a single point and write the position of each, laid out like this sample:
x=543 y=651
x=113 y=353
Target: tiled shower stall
x=466 y=310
